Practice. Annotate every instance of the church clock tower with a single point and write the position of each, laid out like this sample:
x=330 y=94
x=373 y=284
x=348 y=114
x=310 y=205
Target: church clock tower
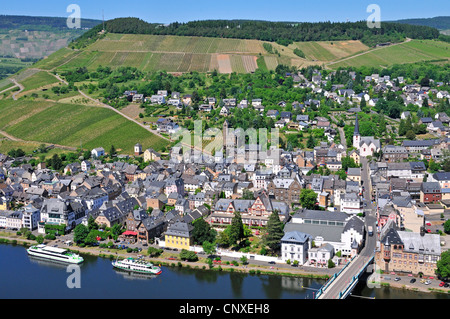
x=356 y=135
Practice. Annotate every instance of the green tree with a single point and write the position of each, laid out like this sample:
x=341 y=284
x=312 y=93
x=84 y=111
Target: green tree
x=112 y=151
x=56 y=162
x=236 y=229
x=202 y=232
x=308 y=198
x=209 y=248
x=188 y=255
x=80 y=233
x=310 y=143
x=447 y=227
x=274 y=232
x=443 y=265
x=91 y=223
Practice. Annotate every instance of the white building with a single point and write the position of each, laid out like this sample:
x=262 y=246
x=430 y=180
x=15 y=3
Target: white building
x=97 y=152
x=295 y=246
x=31 y=217
x=319 y=256
x=351 y=203
x=366 y=145
x=343 y=232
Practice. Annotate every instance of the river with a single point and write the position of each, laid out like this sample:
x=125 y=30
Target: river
x=25 y=277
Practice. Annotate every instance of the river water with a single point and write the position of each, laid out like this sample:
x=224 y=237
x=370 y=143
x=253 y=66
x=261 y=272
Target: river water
x=25 y=277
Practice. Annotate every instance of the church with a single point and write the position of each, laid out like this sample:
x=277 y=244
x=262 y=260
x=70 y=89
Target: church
x=366 y=145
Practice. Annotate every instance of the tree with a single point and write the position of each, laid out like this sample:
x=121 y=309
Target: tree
x=310 y=143
x=410 y=135
x=112 y=151
x=56 y=162
x=202 y=232
x=80 y=233
x=443 y=265
x=308 y=198
x=447 y=227
x=209 y=248
x=91 y=223
x=236 y=229
x=188 y=255
x=274 y=232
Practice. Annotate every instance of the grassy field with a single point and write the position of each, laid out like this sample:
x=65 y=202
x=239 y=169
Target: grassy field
x=169 y=53
x=38 y=80
x=409 y=52
x=73 y=125
x=329 y=50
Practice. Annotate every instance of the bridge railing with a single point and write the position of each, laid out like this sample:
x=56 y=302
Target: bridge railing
x=332 y=278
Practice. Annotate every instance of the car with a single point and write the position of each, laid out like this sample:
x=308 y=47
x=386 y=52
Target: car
x=413 y=280
x=428 y=224
x=446 y=285
x=427 y=282
x=441 y=284
x=397 y=279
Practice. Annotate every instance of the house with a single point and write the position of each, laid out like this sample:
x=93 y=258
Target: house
x=97 y=152
x=394 y=153
x=284 y=190
x=85 y=166
x=408 y=252
x=151 y=155
x=179 y=235
x=354 y=174
x=138 y=98
x=205 y=108
x=343 y=232
x=272 y=113
x=157 y=99
x=224 y=111
x=443 y=178
x=286 y=116
x=430 y=192
x=295 y=246
x=319 y=256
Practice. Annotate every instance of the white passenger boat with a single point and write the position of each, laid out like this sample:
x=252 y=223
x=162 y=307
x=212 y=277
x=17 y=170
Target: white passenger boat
x=54 y=253
x=136 y=265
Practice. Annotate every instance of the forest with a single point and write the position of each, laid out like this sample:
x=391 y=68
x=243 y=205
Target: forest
x=283 y=33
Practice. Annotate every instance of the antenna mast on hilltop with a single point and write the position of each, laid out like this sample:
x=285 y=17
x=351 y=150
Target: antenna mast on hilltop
x=103 y=18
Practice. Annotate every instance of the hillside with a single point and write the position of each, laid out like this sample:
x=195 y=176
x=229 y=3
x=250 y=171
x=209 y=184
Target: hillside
x=280 y=32
x=25 y=39
x=440 y=23
x=182 y=54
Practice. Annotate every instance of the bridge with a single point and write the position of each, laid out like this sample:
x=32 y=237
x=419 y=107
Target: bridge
x=341 y=284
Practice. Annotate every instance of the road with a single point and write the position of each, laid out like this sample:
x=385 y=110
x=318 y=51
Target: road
x=354 y=268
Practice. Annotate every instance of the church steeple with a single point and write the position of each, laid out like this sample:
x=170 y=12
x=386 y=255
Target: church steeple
x=356 y=135
x=356 y=131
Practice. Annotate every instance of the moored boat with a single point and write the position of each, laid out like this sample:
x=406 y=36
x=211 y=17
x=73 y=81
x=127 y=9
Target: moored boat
x=137 y=265
x=55 y=253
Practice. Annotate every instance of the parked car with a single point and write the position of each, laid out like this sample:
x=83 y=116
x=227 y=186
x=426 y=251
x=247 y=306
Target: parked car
x=397 y=279
x=413 y=280
x=428 y=224
x=441 y=284
x=427 y=282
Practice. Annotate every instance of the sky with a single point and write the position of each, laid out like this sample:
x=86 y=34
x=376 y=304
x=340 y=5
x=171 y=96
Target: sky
x=168 y=11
